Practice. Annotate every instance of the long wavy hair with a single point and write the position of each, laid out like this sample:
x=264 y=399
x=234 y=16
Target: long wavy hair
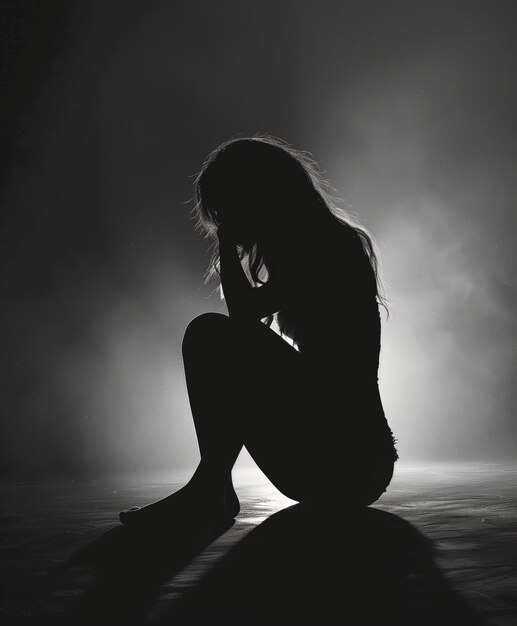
x=267 y=171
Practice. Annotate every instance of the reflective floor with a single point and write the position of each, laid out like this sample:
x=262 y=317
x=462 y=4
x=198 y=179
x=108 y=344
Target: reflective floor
x=438 y=548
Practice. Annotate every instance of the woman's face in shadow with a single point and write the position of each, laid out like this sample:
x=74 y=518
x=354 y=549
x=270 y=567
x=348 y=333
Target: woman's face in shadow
x=247 y=216
x=236 y=219
x=254 y=203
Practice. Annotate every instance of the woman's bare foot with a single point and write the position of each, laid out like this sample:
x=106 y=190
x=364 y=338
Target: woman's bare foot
x=189 y=505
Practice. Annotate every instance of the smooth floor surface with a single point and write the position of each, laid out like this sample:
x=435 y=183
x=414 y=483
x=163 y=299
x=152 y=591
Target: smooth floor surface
x=440 y=547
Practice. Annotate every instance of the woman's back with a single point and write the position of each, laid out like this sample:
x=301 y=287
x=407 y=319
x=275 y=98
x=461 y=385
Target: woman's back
x=336 y=325
x=333 y=314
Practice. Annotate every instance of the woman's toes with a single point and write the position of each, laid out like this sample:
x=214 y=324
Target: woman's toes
x=123 y=515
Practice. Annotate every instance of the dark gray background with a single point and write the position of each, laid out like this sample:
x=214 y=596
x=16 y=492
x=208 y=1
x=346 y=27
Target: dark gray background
x=108 y=110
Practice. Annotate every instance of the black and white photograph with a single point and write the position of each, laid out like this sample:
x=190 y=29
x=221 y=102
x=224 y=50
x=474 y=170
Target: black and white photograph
x=258 y=313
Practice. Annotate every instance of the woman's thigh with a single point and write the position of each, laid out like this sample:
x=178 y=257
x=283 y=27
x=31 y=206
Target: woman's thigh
x=288 y=424
x=290 y=421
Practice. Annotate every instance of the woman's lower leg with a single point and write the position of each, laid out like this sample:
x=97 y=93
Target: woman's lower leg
x=206 y=353
x=212 y=390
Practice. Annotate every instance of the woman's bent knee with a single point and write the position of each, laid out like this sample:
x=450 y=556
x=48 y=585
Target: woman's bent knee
x=203 y=328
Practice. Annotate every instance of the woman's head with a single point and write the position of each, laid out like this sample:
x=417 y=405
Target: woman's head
x=267 y=194
x=258 y=187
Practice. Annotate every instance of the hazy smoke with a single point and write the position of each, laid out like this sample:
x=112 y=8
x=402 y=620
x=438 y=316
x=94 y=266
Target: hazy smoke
x=406 y=107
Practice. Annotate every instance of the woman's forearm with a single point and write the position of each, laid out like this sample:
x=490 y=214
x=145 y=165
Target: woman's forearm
x=235 y=283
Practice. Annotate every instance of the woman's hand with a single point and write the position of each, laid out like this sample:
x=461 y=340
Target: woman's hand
x=234 y=281
x=242 y=299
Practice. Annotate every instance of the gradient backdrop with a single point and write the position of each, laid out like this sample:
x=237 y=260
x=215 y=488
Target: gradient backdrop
x=108 y=110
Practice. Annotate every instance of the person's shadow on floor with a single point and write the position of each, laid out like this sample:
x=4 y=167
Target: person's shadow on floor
x=301 y=567
x=297 y=567
x=130 y=567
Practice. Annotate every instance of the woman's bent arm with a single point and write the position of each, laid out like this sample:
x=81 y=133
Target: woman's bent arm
x=243 y=300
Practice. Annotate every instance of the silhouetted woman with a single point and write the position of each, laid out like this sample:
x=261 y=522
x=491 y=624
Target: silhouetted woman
x=311 y=416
